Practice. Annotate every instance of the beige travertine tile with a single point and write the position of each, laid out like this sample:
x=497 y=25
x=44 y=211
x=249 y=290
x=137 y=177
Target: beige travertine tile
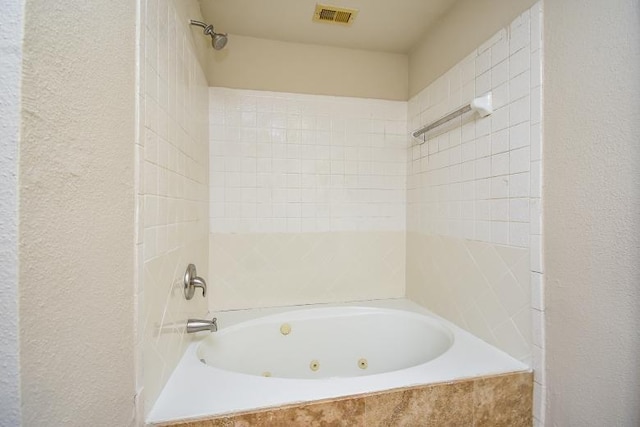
x=505 y=400
x=344 y=412
x=276 y=269
x=438 y=405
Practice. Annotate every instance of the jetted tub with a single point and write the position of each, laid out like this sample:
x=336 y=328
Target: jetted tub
x=271 y=357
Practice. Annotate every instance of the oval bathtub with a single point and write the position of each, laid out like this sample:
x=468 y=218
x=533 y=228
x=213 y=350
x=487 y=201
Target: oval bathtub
x=326 y=343
x=271 y=357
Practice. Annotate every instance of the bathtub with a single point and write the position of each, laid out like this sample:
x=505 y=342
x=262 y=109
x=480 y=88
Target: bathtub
x=271 y=357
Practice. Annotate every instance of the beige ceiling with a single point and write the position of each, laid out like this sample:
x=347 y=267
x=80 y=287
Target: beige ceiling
x=381 y=25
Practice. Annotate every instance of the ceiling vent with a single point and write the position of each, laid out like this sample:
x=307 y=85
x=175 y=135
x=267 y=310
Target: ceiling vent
x=334 y=14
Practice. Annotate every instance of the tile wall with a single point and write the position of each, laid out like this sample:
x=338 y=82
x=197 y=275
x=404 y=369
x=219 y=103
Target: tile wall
x=307 y=198
x=173 y=189
x=474 y=197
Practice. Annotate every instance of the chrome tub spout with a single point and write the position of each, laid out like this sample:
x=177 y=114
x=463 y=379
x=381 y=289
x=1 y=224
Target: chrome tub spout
x=198 y=325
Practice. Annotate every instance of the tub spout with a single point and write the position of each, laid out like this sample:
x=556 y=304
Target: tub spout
x=197 y=325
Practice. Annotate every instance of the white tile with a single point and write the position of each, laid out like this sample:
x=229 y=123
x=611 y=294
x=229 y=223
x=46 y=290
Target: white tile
x=483 y=167
x=500 y=96
x=483 y=146
x=519 y=62
x=500 y=187
x=519 y=86
x=536 y=69
x=499 y=51
x=500 y=210
x=519 y=136
x=483 y=62
x=539 y=402
x=537 y=291
x=468 y=131
x=500 y=164
x=519 y=234
x=520 y=111
x=519 y=185
x=467 y=71
x=535 y=216
x=499 y=74
x=468 y=151
x=483 y=231
x=483 y=189
x=500 y=119
x=483 y=126
x=482 y=210
x=500 y=141
x=500 y=232
x=519 y=160
x=536 y=179
x=468 y=191
x=519 y=35
x=538 y=328
x=519 y=210
x=537 y=259
x=483 y=83
x=536 y=27
x=536 y=104
x=536 y=142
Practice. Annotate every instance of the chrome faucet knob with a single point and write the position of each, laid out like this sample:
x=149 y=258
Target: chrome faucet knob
x=192 y=281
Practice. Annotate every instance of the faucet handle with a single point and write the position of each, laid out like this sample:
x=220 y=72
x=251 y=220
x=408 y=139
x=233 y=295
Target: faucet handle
x=192 y=281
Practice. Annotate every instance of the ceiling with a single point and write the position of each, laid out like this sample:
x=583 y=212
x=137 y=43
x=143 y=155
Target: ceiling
x=381 y=25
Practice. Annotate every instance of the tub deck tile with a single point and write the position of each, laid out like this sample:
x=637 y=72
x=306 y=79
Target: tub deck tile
x=344 y=412
x=504 y=400
x=439 y=405
x=493 y=401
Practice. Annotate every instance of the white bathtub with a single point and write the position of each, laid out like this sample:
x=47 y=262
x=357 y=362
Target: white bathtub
x=270 y=357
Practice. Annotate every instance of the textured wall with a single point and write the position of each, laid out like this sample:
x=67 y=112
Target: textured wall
x=173 y=222
x=10 y=68
x=252 y=63
x=77 y=214
x=467 y=24
x=592 y=211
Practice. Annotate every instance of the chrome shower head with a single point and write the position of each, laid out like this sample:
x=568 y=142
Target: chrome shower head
x=218 y=40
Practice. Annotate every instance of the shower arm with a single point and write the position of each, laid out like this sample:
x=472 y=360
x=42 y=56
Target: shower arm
x=208 y=29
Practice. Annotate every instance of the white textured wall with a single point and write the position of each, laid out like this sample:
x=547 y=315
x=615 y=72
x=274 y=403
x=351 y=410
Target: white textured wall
x=10 y=69
x=77 y=214
x=592 y=211
x=173 y=156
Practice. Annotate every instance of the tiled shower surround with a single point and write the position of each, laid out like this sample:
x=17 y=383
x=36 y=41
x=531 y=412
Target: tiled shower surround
x=322 y=199
x=310 y=199
x=474 y=197
x=307 y=198
x=172 y=156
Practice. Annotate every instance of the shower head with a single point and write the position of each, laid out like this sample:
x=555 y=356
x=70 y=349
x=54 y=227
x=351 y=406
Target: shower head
x=218 y=40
